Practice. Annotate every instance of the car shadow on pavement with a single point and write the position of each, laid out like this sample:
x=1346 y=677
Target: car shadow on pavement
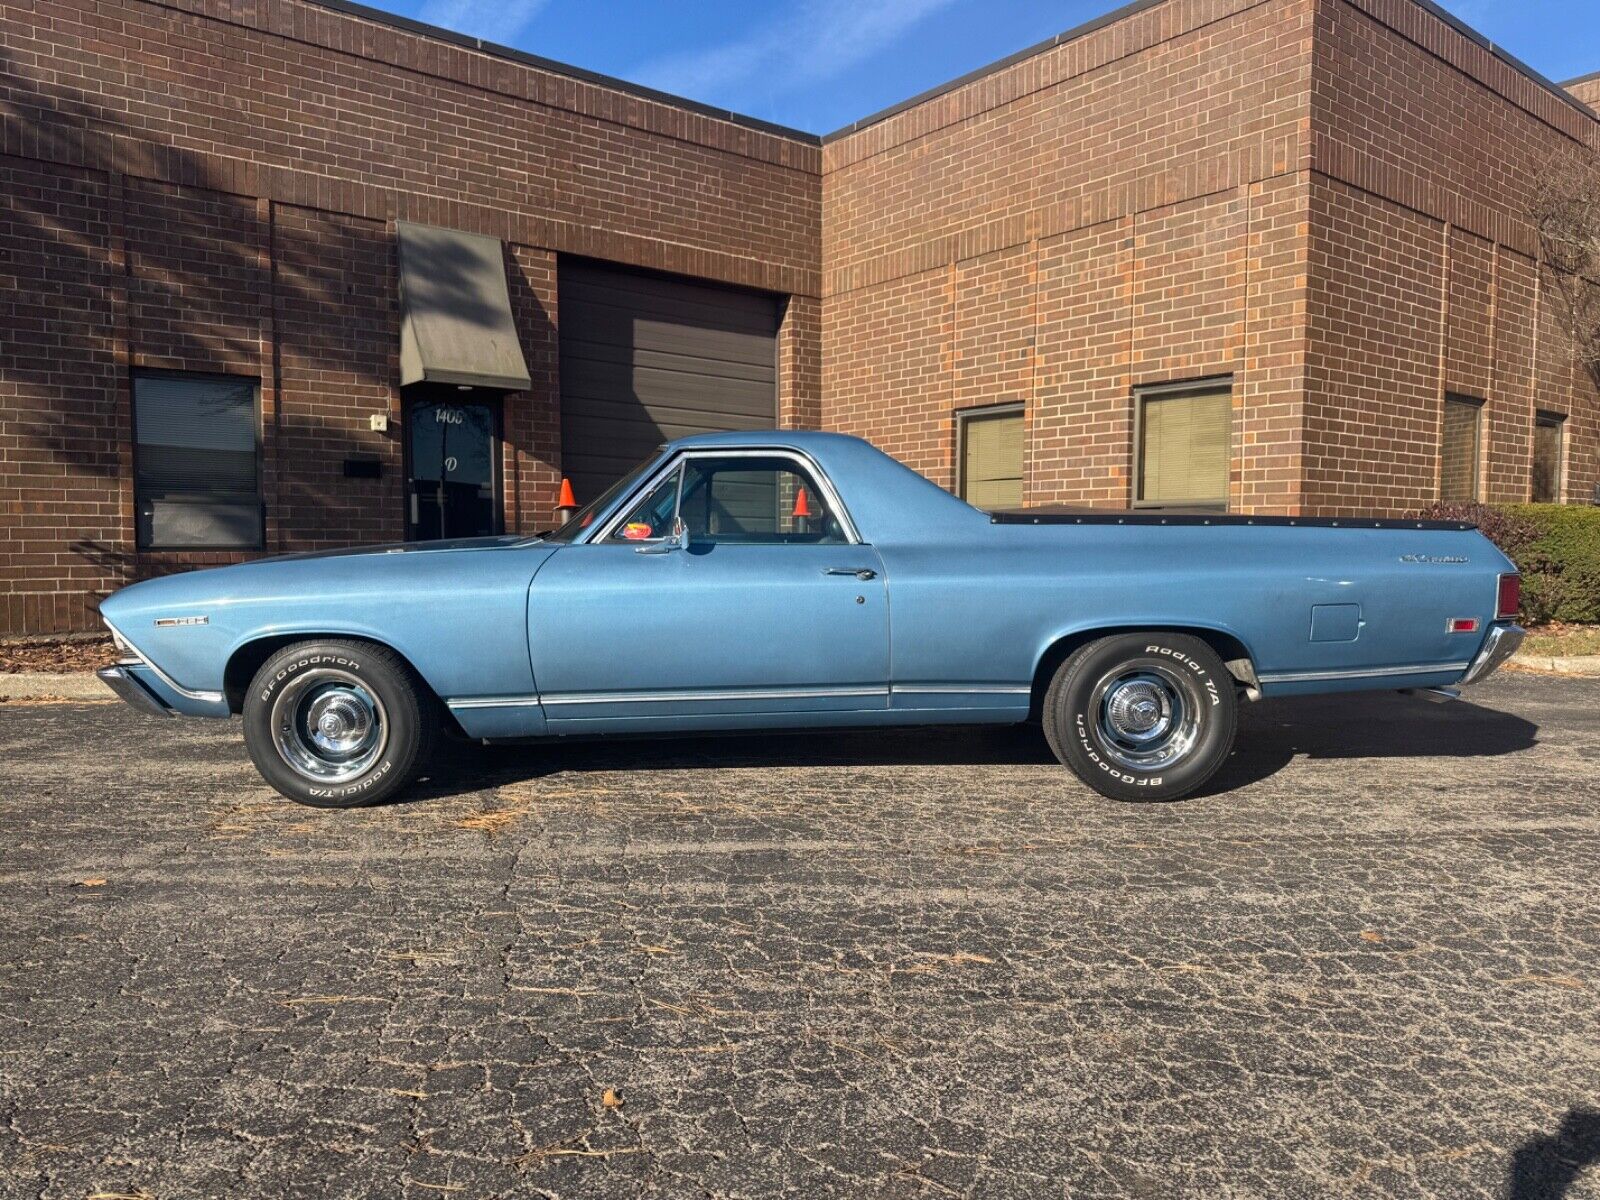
x=1364 y=725
x=1545 y=1167
x=1271 y=734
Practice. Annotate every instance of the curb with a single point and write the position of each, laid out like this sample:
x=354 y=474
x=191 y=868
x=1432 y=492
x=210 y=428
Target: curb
x=1585 y=665
x=40 y=685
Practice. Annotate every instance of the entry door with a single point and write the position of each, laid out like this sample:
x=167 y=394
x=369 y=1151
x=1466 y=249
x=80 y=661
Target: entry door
x=451 y=452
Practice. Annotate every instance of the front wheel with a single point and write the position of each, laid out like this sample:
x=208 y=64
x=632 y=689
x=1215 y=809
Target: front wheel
x=337 y=724
x=1142 y=716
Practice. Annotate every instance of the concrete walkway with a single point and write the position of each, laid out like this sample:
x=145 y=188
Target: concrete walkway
x=41 y=685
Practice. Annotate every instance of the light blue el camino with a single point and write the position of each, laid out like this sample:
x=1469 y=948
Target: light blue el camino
x=805 y=580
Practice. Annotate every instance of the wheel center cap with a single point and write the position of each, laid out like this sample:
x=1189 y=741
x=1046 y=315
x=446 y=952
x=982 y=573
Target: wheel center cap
x=1136 y=710
x=338 y=722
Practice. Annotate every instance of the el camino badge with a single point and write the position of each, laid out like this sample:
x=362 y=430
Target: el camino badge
x=1435 y=559
x=169 y=622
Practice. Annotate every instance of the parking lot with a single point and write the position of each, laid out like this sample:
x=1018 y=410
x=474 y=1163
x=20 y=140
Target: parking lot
x=883 y=964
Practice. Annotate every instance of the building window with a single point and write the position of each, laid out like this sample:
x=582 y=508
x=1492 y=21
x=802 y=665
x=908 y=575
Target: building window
x=1549 y=431
x=1458 y=456
x=1184 y=445
x=990 y=457
x=197 y=477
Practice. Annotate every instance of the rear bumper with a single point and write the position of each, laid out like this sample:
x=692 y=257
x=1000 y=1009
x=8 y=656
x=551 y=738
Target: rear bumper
x=1503 y=641
x=129 y=688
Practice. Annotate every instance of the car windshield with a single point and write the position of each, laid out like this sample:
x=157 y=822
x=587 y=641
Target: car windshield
x=590 y=512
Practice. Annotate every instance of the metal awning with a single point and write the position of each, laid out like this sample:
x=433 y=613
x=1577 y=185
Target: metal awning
x=455 y=311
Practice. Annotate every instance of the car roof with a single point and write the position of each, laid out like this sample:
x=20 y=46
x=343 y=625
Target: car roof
x=795 y=439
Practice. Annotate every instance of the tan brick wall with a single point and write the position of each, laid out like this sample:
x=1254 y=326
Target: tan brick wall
x=1588 y=91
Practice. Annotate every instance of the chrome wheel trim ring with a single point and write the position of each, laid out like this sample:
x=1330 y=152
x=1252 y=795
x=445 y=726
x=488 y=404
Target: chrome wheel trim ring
x=328 y=726
x=1144 y=717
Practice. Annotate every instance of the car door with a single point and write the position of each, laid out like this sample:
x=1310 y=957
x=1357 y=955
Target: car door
x=769 y=610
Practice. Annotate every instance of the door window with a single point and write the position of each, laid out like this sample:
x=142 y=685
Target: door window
x=737 y=500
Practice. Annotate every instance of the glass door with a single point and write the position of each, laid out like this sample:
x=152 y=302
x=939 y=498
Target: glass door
x=451 y=452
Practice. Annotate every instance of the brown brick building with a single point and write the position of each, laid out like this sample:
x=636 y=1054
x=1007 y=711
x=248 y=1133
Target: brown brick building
x=1261 y=253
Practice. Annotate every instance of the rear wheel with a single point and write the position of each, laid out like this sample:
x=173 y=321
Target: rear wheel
x=338 y=724
x=1142 y=716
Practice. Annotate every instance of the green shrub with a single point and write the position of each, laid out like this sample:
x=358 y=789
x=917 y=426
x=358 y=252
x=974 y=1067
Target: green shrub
x=1561 y=566
x=1555 y=546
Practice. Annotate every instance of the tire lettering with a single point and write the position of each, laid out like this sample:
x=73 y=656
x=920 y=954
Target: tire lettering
x=301 y=664
x=1197 y=668
x=1094 y=757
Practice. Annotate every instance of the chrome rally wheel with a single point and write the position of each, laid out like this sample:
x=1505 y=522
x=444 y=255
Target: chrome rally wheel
x=1145 y=724
x=1142 y=716
x=338 y=724
x=328 y=726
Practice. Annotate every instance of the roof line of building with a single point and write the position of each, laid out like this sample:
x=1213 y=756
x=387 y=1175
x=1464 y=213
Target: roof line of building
x=1138 y=6
x=467 y=42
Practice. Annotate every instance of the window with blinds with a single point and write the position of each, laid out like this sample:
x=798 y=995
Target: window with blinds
x=991 y=458
x=1185 y=446
x=1549 y=430
x=197 y=482
x=1458 y=455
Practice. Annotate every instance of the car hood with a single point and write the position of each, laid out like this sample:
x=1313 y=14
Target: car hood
x=498 y=542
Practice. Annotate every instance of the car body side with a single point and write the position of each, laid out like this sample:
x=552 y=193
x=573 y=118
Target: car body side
x=975 y=611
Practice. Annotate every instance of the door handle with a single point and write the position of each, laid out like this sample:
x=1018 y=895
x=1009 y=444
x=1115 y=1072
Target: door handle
x=861 y=573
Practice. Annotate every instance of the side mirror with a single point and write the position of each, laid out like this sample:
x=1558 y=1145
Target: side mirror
x=678 y=539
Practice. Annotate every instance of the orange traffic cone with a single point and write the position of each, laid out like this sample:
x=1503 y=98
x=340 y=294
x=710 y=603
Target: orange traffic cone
x=802 y=505
x=567 y=503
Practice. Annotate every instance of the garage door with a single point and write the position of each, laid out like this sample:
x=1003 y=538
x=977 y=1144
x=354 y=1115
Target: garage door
x=646 y=358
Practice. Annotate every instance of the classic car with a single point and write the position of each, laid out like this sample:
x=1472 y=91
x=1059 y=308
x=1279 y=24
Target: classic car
x=751 y=581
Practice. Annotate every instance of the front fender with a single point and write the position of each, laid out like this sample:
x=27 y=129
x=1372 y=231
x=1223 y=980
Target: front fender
x=459 y=616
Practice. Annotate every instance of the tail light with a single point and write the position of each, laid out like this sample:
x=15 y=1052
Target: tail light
x=1509 y=602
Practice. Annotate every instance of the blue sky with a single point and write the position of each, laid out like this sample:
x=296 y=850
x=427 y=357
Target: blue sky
x=819 y=64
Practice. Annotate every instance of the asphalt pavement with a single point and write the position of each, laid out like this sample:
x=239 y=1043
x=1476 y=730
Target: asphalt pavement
x=906 y=964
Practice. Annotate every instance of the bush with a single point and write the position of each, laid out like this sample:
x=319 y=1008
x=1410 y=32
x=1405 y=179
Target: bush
x=1562 y=578
x=1555 y=546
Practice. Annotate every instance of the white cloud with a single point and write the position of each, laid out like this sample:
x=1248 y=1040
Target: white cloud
x=815 y=41
x=492 y=20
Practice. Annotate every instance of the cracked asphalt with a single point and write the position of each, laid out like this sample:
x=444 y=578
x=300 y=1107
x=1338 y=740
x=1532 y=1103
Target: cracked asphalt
x=911 y=964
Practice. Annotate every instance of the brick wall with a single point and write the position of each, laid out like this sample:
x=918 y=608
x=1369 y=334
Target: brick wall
x=212 y=186
x=1324 y=200
x=1424 y=277
x=1108 y=213
x=1587 y=90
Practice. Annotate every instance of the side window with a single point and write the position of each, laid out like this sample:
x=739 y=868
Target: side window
x=738 y=500
x=756 y=501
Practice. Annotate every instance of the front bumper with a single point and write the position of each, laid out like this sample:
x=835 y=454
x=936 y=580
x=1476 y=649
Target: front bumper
x=130 y=688
x=1503 y=641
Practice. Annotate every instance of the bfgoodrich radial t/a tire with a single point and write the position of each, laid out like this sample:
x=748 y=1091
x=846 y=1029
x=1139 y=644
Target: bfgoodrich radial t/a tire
x=1142 y=716
x=338 y=724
